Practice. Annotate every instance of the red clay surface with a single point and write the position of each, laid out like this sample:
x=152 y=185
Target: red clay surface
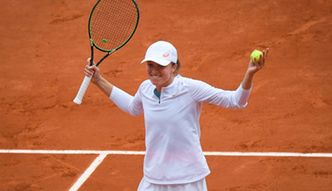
x=44 y=45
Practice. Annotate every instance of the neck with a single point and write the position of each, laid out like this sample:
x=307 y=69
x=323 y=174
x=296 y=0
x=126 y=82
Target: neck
x=165 y=84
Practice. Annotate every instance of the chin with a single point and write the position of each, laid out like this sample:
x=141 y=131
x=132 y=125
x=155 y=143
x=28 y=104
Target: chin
x=154 y=82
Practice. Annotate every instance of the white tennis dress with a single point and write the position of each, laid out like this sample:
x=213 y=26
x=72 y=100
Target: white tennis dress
x=173 y=151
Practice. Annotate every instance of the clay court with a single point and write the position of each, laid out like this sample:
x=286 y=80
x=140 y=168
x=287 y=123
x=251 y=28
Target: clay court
x=44 y=47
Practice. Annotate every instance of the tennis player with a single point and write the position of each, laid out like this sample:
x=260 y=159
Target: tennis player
x=171 y=105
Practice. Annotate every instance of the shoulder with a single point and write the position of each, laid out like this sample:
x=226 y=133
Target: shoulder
x=146 y=85
x=192 y=83
x=198 y=89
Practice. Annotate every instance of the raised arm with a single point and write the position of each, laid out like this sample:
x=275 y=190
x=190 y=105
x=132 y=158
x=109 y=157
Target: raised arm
x=238 y=98
x=253 y=67
x=126 y=102
x=97 y=79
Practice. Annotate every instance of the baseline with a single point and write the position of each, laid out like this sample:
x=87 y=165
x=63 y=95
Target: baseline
x=122 y=152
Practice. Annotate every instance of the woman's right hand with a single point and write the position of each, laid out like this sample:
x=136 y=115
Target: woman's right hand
x=92 y=71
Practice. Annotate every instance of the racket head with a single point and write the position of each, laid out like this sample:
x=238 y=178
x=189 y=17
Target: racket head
x=112 y=23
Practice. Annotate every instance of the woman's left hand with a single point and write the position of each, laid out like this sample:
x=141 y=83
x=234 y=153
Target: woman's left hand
x=254 y=66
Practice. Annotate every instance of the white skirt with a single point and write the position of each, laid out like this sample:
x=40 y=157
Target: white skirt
x=193 y=186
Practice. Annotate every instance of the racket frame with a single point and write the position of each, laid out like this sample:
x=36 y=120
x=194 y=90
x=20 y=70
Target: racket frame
x=86 y=81
x=109 y=52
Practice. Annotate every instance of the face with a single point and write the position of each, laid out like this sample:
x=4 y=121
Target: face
x=160 y=76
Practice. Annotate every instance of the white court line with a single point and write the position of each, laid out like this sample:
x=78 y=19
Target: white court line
x=119 y=152
x=103 y=154
x=79 y=152
x=268 y=154
x=88 y=172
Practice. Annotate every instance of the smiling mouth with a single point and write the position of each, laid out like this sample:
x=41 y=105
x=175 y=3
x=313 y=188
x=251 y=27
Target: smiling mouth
x=154 y=79
x=154 y=76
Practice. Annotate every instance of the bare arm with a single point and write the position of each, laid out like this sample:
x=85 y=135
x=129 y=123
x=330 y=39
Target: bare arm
x=104 y=86
x=126 y=102
x=97 y=79
x=253 y=67
x=247 y=80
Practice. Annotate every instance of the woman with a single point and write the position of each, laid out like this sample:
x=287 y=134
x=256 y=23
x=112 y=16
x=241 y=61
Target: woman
x=171 y=105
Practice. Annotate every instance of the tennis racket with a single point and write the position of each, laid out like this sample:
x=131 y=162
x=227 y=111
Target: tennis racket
x=112 y=23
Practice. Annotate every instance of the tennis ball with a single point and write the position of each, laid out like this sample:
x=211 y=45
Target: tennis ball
x=104 y=40
x=256 y=54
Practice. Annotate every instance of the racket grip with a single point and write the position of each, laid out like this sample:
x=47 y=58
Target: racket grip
x=84 y=86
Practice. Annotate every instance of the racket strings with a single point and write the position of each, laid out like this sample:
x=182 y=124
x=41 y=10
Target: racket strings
x=112 y=23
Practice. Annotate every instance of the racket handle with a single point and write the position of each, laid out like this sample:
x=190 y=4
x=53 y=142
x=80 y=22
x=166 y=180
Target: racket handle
x=84 y=86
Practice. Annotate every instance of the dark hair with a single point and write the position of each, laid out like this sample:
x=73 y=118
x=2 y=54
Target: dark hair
x=178 y=66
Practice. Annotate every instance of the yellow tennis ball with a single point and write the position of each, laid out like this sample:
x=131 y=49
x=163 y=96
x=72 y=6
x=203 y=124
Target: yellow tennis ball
x=256 y=54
